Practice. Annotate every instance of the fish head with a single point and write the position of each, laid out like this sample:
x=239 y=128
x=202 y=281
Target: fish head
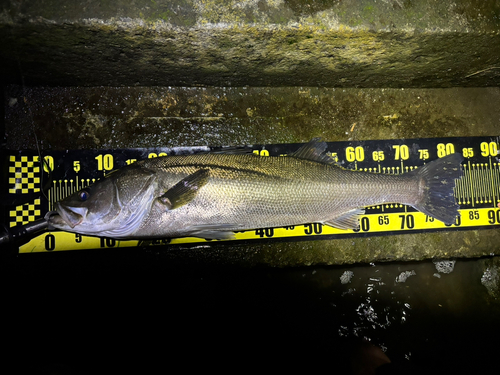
x=114 y=206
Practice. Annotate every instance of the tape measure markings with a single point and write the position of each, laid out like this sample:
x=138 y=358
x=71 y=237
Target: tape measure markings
x=373 y=223
x=477 y=192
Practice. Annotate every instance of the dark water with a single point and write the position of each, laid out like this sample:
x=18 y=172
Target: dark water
x=81 y=313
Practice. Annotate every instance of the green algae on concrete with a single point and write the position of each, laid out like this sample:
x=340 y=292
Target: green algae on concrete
x=258 y=43
x=121 y=117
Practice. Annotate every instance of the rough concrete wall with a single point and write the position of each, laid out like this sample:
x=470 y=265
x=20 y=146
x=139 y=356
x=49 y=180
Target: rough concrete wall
x=389 y=43
x=127 y=117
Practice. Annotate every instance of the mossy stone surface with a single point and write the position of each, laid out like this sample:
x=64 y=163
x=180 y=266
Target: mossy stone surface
x=256 y=43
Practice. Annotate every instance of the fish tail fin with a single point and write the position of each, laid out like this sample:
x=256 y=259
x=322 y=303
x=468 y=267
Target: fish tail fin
x=436 y=182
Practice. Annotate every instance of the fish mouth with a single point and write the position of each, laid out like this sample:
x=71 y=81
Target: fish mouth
x=71 y=216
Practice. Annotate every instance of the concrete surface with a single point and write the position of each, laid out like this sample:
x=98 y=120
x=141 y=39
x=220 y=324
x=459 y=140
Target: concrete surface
x=330 y=43
x=114 y=117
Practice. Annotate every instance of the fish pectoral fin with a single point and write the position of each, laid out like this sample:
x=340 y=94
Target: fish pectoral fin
x=348 y=220
x=213 y=231
x=185 y=190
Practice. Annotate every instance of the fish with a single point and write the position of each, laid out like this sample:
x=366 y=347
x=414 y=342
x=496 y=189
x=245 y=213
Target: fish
x=213 y=195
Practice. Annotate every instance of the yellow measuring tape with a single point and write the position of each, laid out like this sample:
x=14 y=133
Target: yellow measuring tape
x=477 y=192
x=371 y=223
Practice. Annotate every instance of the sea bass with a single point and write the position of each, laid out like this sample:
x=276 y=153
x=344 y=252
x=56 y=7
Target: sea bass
x=212 y=195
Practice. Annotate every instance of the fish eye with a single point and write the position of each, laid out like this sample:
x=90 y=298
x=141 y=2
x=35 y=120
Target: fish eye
x=84 y=195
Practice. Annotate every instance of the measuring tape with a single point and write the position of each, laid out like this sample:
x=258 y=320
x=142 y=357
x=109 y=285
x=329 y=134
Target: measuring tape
x=477 y=192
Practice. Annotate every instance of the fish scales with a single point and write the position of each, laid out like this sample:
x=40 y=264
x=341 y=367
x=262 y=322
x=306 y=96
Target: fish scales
x=252 y=191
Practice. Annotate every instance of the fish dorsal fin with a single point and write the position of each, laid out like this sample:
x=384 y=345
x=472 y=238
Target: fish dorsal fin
x=314 y=150
x=185 y=190
x=348 y=220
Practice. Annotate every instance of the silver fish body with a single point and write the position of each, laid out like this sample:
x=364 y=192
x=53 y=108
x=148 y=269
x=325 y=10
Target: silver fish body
x=212 y=195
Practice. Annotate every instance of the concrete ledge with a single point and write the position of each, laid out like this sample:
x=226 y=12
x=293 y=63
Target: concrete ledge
x=401 y=248
x=127 y=117
x=257 y=43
